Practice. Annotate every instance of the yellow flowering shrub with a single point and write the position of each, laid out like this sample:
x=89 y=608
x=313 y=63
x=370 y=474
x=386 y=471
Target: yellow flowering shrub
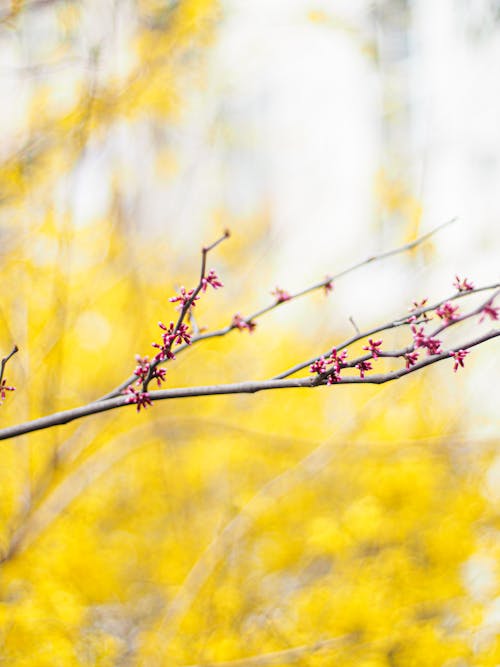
x=323 y=527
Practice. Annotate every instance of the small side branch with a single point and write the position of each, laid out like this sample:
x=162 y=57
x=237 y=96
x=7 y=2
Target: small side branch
x=4 y=361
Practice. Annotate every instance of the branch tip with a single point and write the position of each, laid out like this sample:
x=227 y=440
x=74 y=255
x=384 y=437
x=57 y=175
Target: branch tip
x=206 y=249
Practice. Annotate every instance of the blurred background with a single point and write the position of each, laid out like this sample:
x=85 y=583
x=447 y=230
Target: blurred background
x=358 y=525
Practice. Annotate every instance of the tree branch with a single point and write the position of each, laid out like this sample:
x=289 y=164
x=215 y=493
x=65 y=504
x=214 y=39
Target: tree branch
x=4 y=361
x=251 y=387
x=249 y=319
x=399 y=322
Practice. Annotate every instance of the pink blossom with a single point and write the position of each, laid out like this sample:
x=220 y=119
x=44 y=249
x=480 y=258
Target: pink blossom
x=411 y=358
x=373 y=346
x=319 y=366
x=433 y=345
x=281 y=295
x=184 y=298
x=364 y=366
x=211 y=279
x=459 y=357
x=169 y=336
x=448 y=312
x=328 y=285
x=173 y=335
x=142 y=368
x=159 y=374
x=240 y=323
x=333 y=377
x=463 y=285
x=182 y=334
x=4 y=387
x=164 y=353
x=489 y=310
x=140 y=398
x=338 y=360
x=418 y=335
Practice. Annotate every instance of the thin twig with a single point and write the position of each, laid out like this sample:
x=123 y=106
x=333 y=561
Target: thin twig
x=4 y=361
x=354 y=325
x=186 y=307
x=331 y=279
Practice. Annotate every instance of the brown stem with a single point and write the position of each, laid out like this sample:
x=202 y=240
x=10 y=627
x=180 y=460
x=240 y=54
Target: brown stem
x=4 y=361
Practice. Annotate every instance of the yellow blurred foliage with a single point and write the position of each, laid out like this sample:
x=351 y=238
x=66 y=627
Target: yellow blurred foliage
x=207 y=530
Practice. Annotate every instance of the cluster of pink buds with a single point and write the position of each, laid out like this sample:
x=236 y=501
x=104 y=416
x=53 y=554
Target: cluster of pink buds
x=211 y=279
x=4 y=387
x=463 y=285
x=491 y=311
x=318 y=366
x=338 y=360
x=364 y=366
x=142 y=369
x=281 y=295
x=335 y=360
x=447 y=312
x=420 y=339
x=373 y=347
x=146 y=372
x=173 y=334
x=411 y=359
x=328 y=285
x=459 y=357
x=140 y=398
x=238 y=322
x=184 y=298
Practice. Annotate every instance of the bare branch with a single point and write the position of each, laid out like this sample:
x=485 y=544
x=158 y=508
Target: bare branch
x=324 y=284
x=4 y=361
x=331 y=279
x=399 y=322
x=251 y=387
x=354 y=325
x=178 y=334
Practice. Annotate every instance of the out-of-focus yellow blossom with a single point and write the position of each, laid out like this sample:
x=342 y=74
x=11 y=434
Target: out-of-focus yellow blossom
x=212 y=529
